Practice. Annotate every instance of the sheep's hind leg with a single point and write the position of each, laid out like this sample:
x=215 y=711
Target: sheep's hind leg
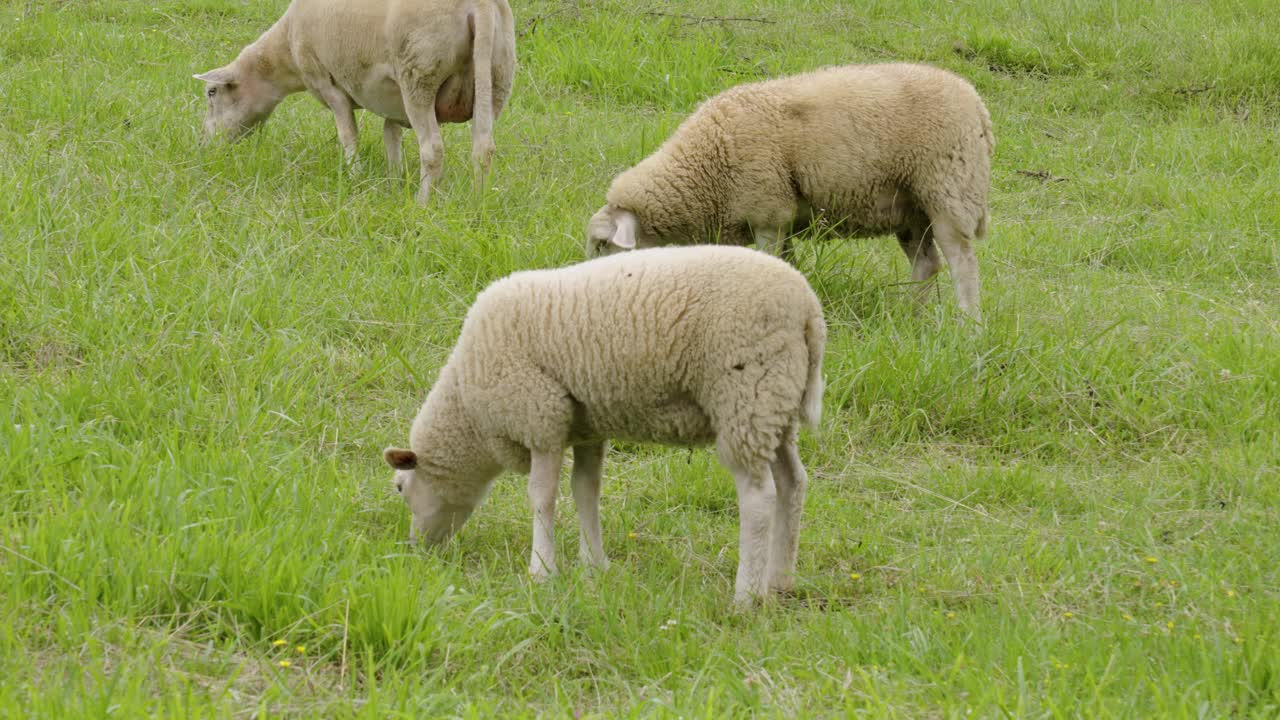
x=588 y=462
x=957 y=247
x=917 y=243
x=544 y=477
x=391 y=135
x=791 y=481
x=756 y=500
x=419 y=97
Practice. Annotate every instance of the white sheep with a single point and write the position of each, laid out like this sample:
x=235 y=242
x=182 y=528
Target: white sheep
x=416 y=63
x=874 y=149
x=675 y=345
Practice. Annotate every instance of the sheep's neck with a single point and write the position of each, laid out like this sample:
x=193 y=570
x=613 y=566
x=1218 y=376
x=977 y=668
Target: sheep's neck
x=270 y=58
x=449 y=442
x=694 y=180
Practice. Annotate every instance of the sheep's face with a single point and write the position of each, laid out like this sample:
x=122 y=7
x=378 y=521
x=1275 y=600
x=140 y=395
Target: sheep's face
x=434 y=519
x=237 y=103
x=613 y=230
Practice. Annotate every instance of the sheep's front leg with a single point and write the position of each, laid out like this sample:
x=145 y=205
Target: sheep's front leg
x=774 y=241
x=544 y=477
x=791 y=481
x=344 y=117
x=391 y=135
x=588 y=462
x=756 y=499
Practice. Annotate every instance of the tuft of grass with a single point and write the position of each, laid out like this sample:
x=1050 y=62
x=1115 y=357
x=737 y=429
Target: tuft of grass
x=204 y=348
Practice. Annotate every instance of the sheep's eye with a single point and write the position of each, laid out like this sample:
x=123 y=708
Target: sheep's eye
x=400 y=487
x=213 y=91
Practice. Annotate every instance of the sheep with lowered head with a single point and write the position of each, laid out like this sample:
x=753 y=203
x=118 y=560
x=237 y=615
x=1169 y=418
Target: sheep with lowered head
x=875 y=149
x=416 y=63
x=684 y=346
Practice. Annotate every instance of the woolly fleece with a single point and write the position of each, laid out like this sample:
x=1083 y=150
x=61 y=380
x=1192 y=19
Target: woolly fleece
x=681 y=346
x=416 y=64
x=878 y=149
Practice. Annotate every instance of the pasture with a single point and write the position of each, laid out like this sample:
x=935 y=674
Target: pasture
x=204 y=349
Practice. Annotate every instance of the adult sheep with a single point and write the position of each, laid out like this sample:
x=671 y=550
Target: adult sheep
x=416 y=63
x=875 y=149
x=681 y=346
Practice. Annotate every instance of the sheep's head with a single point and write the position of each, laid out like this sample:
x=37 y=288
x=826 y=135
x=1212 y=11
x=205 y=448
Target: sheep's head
x=237 y=102
x=613 y=229
x=435 y=519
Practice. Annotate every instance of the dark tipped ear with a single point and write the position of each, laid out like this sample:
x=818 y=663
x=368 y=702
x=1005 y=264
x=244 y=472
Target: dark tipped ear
x=217 y=76
x=400 y=459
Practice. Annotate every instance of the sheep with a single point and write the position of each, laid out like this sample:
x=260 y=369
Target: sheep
x=684 y=346
x=410 y=61
x=875 y=149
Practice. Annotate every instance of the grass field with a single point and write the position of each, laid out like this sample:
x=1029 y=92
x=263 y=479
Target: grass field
x=203 y=350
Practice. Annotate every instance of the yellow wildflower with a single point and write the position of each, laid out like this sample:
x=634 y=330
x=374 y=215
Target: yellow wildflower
x=1068 y=615
x=1151 y=559
x=855 y=576
x=301 y=649
x=280 y=643
x=285 y=664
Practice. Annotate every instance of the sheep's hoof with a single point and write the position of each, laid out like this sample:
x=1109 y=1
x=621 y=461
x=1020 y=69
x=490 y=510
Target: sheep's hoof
x=591 y=564
x=783 y=584
x=743 y=602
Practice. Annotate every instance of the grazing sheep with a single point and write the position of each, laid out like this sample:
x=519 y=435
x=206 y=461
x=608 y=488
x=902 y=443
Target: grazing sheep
x=876 y=149
x=675 y=345
x=416 y=63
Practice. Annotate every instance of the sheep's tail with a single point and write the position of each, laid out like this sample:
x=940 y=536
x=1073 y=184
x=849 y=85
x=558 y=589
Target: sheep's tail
x=987 y=133
x=485 y=22
x=815 y=338
x=990 y=138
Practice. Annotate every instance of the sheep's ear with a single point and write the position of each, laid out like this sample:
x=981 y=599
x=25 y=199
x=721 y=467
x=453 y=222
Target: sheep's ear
x=217 y=76
x=400 y=459
x=624 y=233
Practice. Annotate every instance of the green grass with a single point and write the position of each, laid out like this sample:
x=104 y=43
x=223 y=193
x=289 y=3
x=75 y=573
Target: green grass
x=203 y=351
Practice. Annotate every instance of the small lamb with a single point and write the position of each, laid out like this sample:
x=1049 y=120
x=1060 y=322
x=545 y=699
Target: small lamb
x=674 y=345
x=873 y=148
x=416 y=63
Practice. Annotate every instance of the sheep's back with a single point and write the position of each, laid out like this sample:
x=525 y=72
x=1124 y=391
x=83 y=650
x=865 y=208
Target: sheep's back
x=859 y=134
x=640 y=340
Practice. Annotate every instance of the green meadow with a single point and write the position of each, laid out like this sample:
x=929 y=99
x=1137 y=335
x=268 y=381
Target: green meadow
x=1074 y=512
